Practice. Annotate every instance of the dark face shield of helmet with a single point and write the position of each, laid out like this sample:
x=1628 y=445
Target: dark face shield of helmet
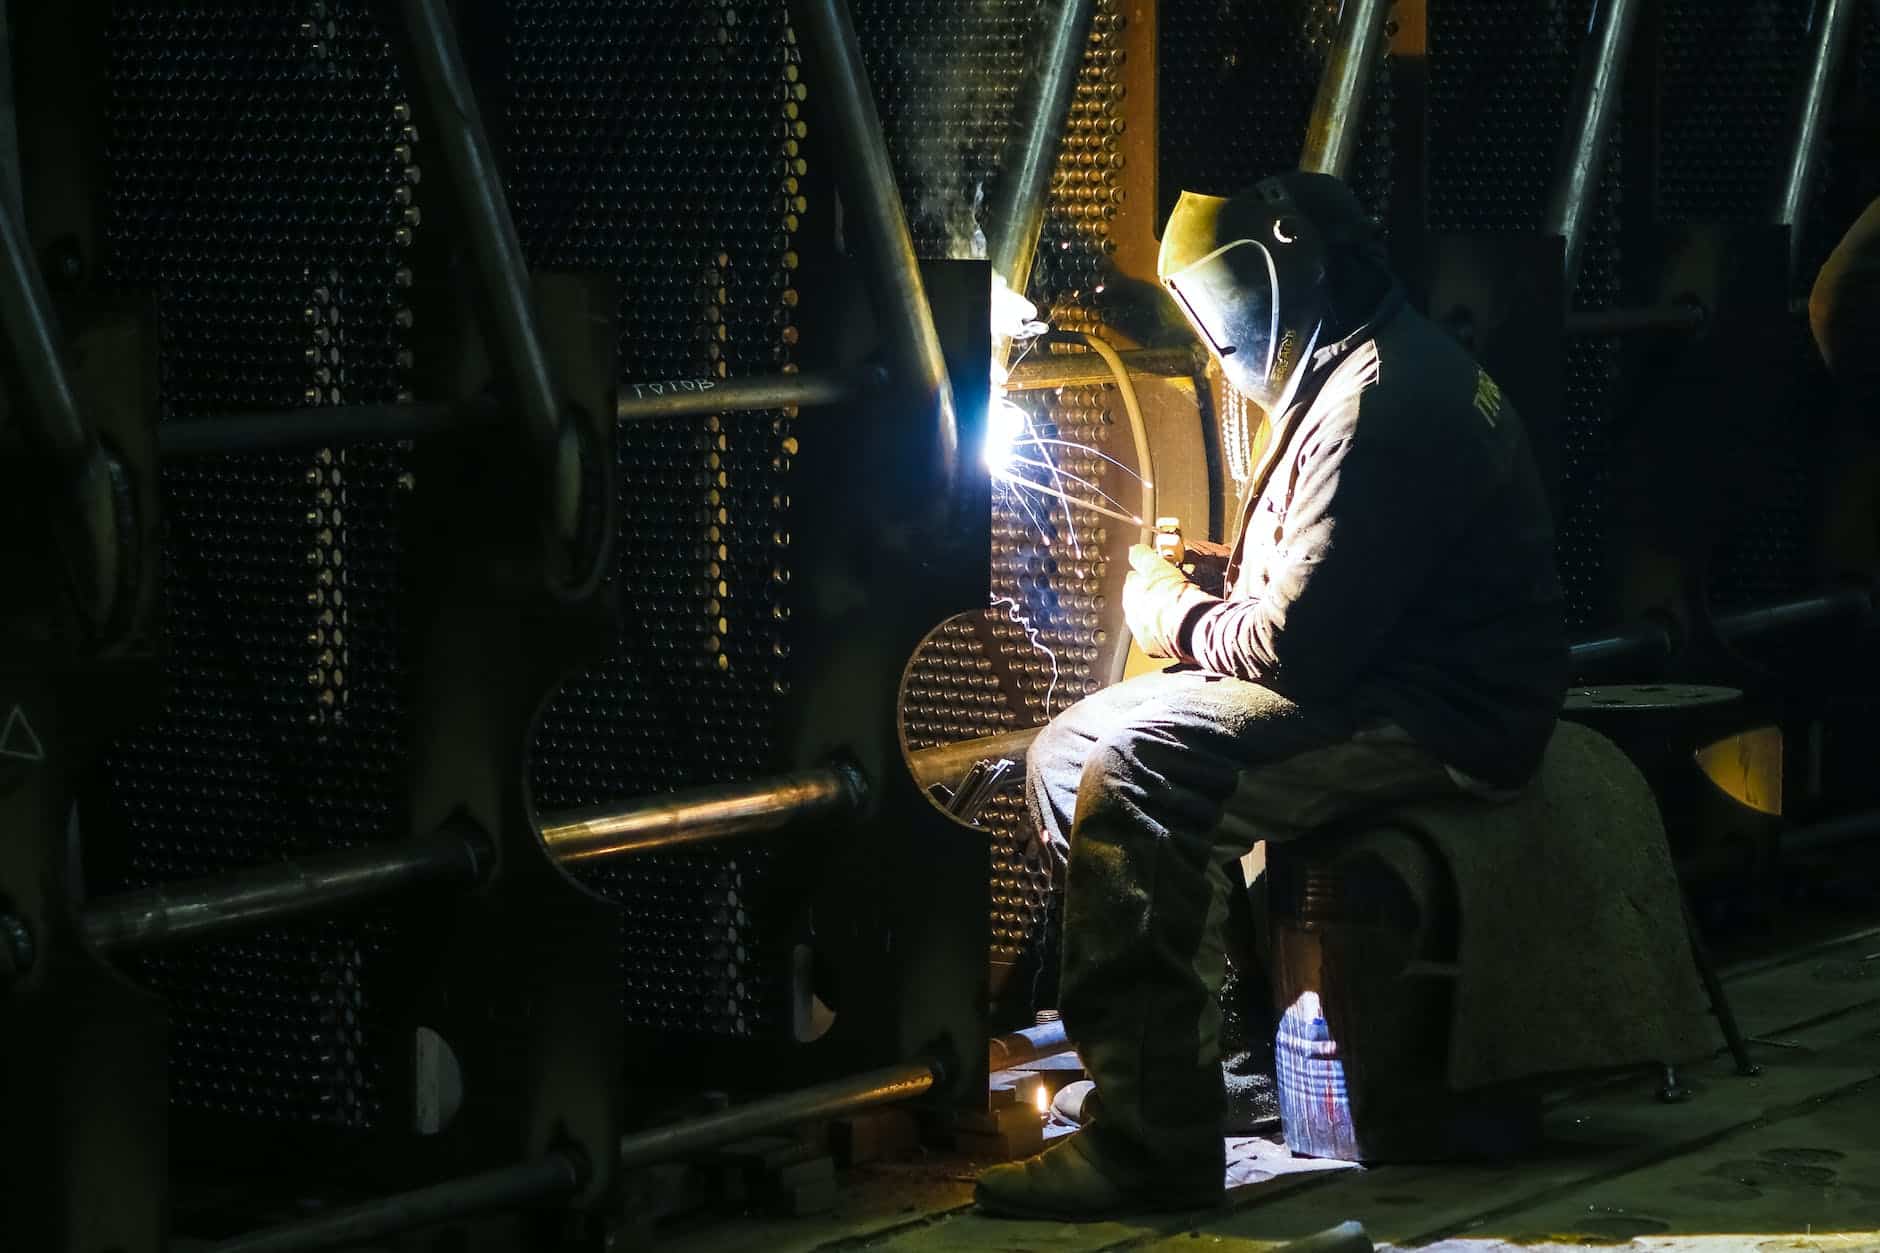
x=1231 y=298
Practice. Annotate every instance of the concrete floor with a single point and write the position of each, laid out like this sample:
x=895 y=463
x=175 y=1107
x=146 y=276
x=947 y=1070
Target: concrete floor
x=1789 y=1160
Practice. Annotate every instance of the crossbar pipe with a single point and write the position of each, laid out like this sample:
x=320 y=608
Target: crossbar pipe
x=876 y=226
x=1831 y=24
x=328 y=426
x=547 y=1178
x=1337 y=118
x=1593 y=106
x=1015 y=215
x=495 y=250
x=700 y=815
x=887 y=1086
x=682 y=398
x=262 y=895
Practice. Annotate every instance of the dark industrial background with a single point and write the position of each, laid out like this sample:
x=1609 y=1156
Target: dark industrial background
x=263 y=188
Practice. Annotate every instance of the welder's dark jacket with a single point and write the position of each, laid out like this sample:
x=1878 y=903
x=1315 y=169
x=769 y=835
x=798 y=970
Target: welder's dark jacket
x=1395 y=555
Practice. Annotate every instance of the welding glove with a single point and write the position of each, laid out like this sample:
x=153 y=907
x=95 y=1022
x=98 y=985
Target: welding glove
x=1158 y=601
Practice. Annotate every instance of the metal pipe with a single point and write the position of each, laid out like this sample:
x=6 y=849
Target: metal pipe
x=1580 y=161
x=876 y=225
x=1834 y=833
x=1678 y=317
x=886 y=1086
x=266 y=894
x=945 y=763
x=701 y=814
x=1017 y=1048
x=317 y=428
x=1832 y=21
x=507 y=1188
x=59 y=430
x=681 y=398
x=1084 y=369
x=477 y=192
x=1645 y=644
x=1745 y=624
x=1338 y=111
x=1015 y=215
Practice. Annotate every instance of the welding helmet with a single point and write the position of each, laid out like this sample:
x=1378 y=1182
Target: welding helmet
x=1251 y=275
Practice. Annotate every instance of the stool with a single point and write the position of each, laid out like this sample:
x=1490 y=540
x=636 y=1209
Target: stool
x=1654 y=724
x=1363 y=977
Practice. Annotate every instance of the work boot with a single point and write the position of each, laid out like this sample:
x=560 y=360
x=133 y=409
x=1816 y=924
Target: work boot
x=1074 y=1182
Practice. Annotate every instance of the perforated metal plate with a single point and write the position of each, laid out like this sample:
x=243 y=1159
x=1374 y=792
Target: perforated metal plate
x=662 y=144
x=262 y=173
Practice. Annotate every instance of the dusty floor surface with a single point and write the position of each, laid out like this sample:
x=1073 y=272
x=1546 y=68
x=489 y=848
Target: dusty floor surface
x=1787 y=1161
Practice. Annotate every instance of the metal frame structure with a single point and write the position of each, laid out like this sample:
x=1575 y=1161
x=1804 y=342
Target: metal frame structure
x=514 y=596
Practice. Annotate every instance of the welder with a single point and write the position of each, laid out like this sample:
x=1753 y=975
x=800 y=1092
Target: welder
x=1386 y=626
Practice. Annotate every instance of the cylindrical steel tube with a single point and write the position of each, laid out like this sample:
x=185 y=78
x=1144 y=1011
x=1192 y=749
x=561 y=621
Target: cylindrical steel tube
x=876 y=226
x=1644 y=644
x=680 y=398
x=58 y=429
x=945 y=763
x=507 y=1188
x=1832 y=21
x=1747 y=624
x=476 y=190
x=1338 y=110
x=1016 y=1048
x=1083 y=369
x=1833 y=833
x=1591 y=322
x=1593 y=104
x=316 y=428
x=1015 y=214
x=267 y=894
x=827 y=1100
x=701 y=814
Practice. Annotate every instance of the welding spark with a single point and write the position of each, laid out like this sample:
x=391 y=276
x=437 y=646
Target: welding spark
x=1095 y=452
x=1067 y=498
x=1066 y=474
x=1017 y=615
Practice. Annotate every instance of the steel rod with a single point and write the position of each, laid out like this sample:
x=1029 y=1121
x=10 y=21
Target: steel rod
x=1644 y=644
x=876 y=227
x=32 y=334
x=680 y=398
x=1747 y=624
x=886 y=1086
x=1015 y=214
x=1832 y=21
x=1085 y=369
x=262 y=895
x=1833 y=833
x=1594 y=101
x=947 y=762
x=701 y=814
x=1681 y=317
x=1337 y=118
x=317 y=428
x=509 y=1187
x=1017 y=1048
x=476 y=190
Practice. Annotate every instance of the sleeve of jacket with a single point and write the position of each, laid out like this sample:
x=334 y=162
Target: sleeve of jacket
x=1371 y=511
